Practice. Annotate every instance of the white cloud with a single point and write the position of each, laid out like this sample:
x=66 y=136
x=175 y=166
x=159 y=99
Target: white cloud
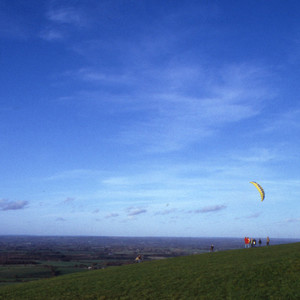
x=282 y=122
x=172 y=105
x=293 y=220
x=73 y=174
x=260 y=155
x=253 y=216
x=100 y=76
x=111 y=215
x=69 y=200
x=60 y=23
x=12 y=205
x=67 y=15
x=209 y=209
x=166 y=211
x=135 y=211
x=51 y=35
x=118 y=181
x=173 y=119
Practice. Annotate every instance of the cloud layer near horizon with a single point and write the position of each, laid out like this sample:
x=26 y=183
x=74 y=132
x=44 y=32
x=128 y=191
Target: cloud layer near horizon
x=12 y=205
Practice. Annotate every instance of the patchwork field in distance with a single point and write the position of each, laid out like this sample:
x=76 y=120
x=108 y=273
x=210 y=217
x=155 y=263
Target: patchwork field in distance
x=259 y=273
x=27 y=258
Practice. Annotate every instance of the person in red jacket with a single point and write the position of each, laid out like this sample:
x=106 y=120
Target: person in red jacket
x=247 y=242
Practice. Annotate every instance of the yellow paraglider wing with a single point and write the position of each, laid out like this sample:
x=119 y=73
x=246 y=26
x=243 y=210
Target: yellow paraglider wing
x=260 y=189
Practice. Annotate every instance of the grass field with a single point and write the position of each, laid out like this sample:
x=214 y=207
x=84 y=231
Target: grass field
x=258 y=273
x=10 y=274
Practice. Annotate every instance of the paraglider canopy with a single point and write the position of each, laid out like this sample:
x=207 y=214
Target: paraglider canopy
x=260 y=189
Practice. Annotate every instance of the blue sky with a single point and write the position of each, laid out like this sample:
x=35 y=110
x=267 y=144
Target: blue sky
x=150 y=118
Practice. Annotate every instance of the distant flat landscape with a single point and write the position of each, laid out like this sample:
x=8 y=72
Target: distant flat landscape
x=28 y=258
x=257 y=273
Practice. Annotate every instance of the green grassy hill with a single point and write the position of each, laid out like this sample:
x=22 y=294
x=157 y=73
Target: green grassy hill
x=258 y=273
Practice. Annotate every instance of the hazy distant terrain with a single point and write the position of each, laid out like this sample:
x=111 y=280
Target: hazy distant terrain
x=27 y=258
x=256 y=273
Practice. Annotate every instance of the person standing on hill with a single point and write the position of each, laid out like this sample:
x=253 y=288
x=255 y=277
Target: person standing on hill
x=268 y=241
x=247 y=242
x=259 y=242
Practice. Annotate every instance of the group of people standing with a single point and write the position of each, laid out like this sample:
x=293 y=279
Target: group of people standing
x=250 y=242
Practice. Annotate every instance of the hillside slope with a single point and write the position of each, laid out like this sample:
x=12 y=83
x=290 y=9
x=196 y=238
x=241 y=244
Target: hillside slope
x=259 y=273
